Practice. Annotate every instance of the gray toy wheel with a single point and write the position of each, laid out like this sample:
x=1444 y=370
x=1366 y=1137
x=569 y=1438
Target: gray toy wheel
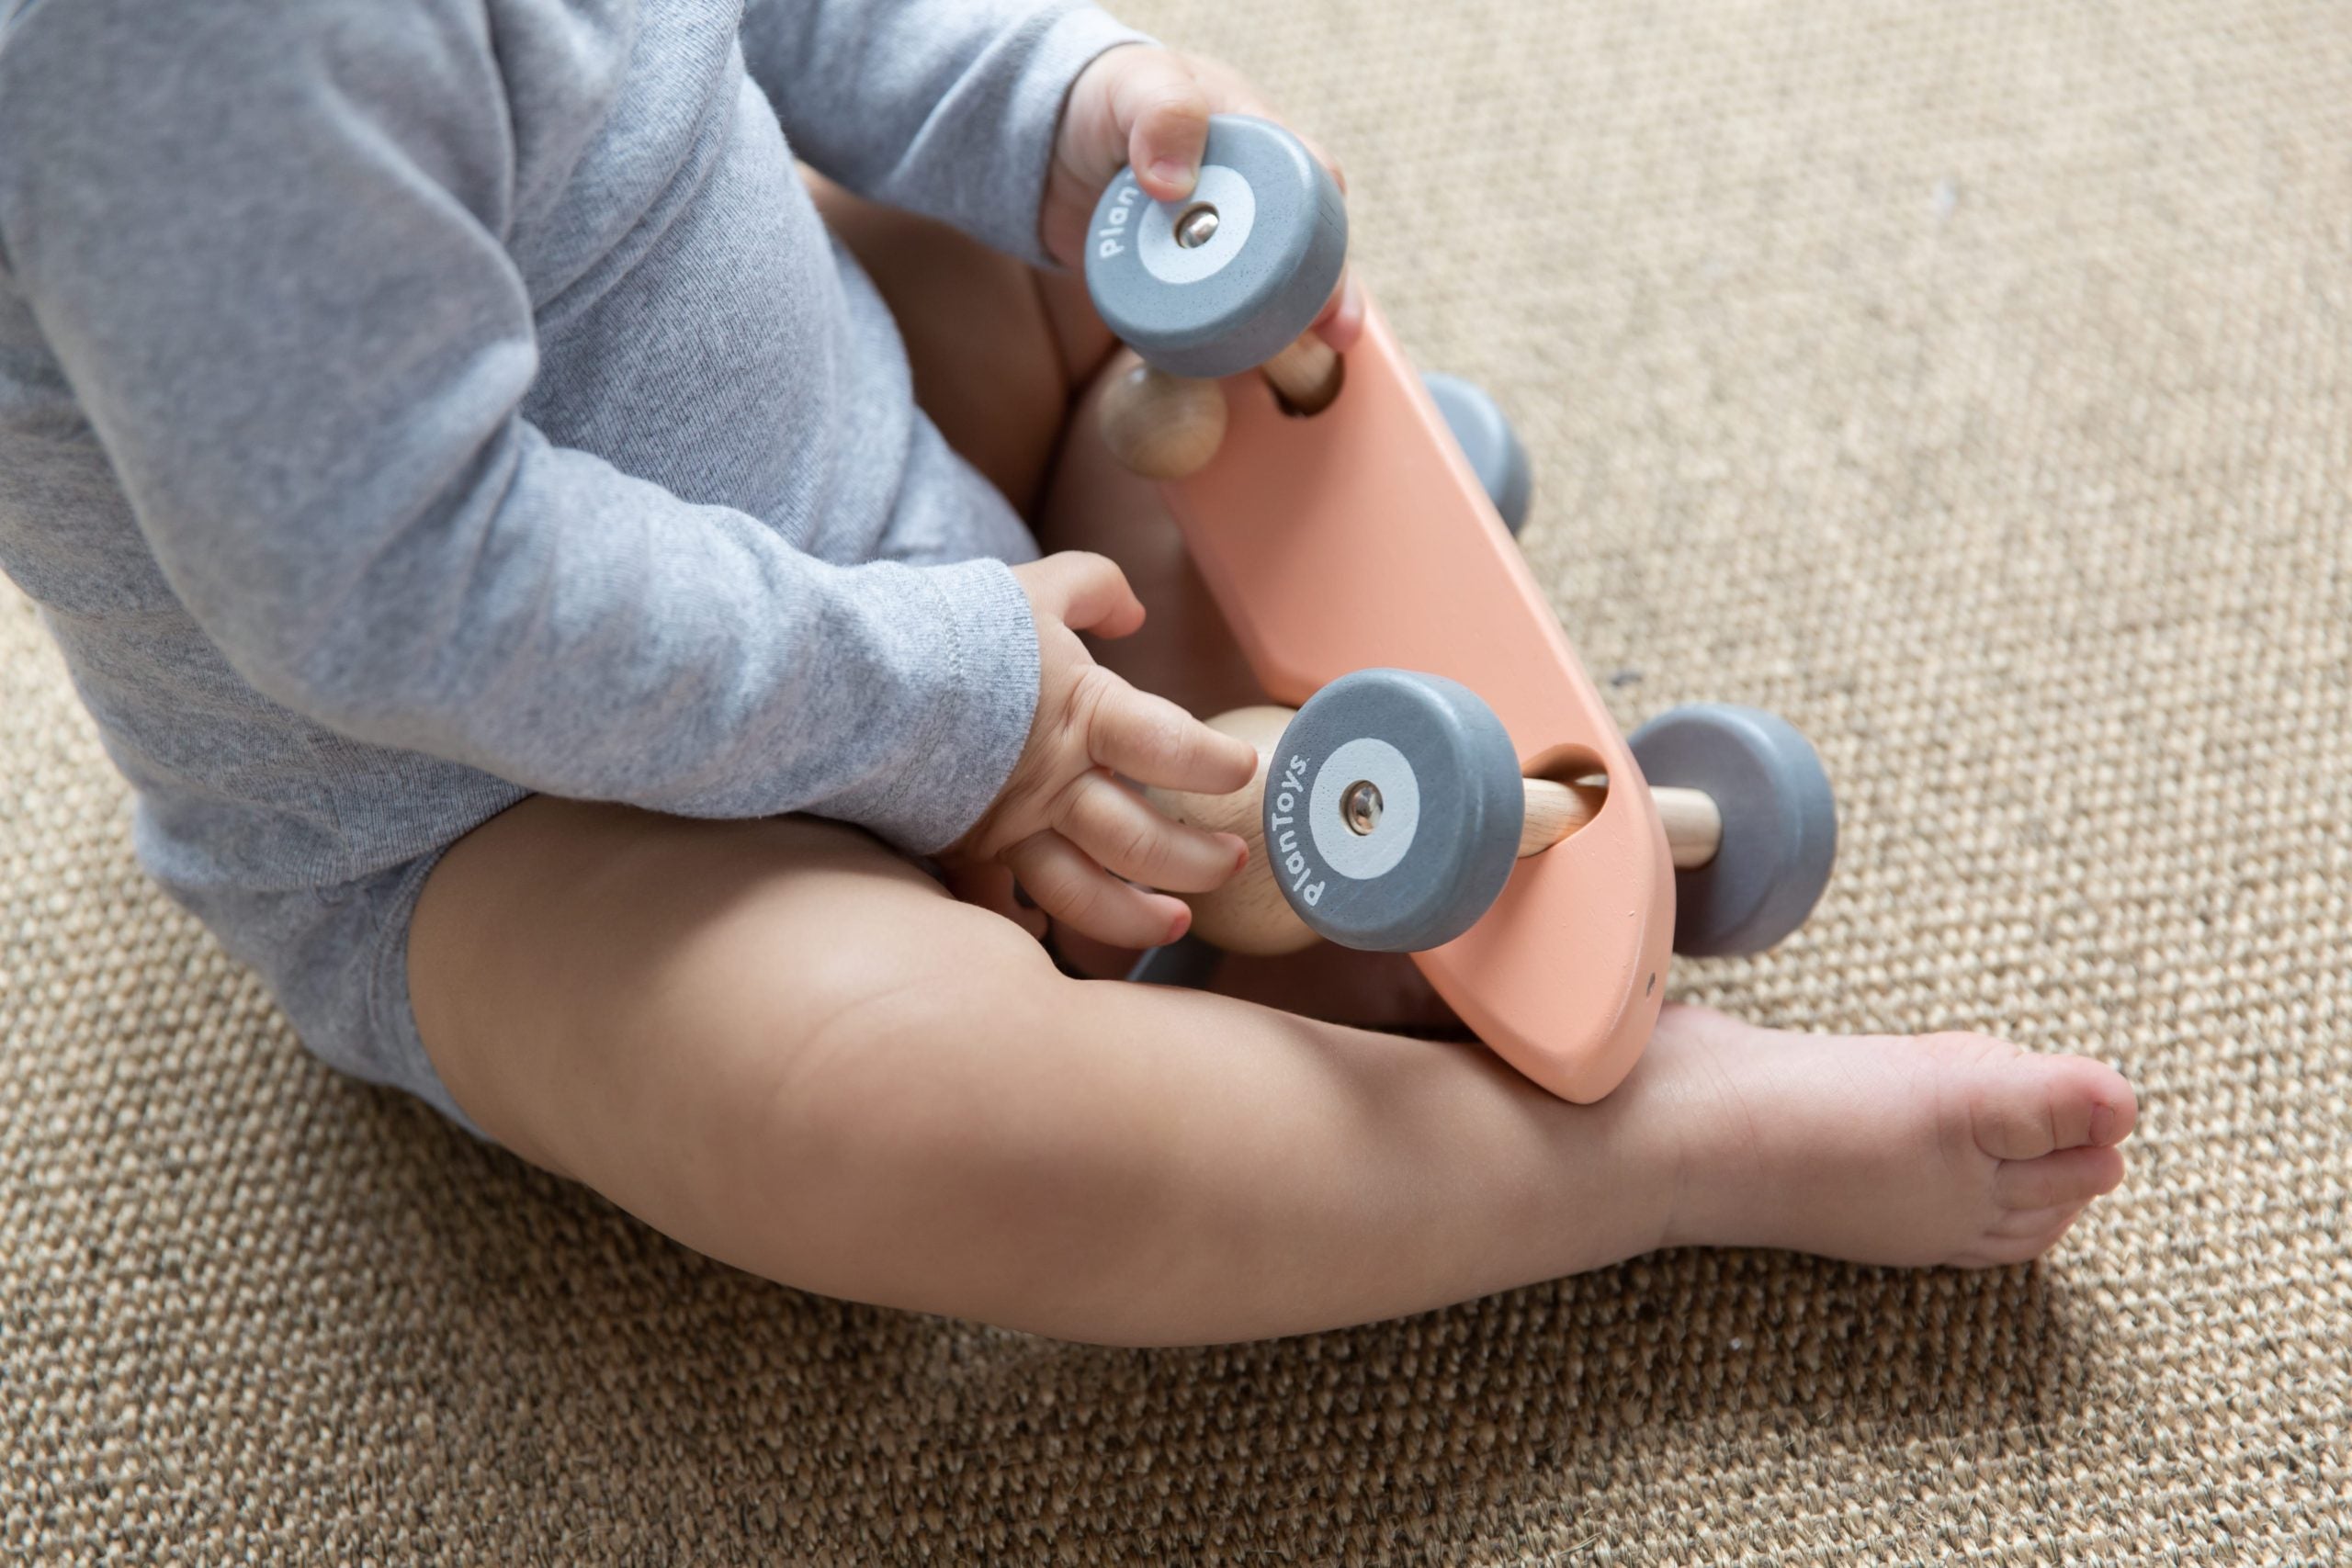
x=1218 y=282
x=1487 y=439
x=1780 y=838
x=1392 y=811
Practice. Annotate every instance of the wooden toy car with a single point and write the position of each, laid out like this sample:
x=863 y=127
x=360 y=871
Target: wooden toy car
x=1450 y=784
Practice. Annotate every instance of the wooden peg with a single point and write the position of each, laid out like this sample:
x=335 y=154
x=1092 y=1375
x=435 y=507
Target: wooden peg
x=1165 y=427
x=1159 y=426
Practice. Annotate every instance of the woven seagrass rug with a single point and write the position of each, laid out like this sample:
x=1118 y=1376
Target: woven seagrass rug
x=1971 y=383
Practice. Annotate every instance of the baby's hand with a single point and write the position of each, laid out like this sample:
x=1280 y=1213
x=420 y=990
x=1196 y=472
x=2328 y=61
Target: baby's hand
x=1062 y=824
x=1150 y=108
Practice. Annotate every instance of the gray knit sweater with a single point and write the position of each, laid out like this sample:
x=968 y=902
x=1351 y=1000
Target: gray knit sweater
x=411 y=403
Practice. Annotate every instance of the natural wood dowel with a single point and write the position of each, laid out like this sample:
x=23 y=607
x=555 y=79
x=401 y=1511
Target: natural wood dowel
x=1307 y=374
x=1694 y=829
x=1159 y=426
x=1694 y=825
x=1165 y=427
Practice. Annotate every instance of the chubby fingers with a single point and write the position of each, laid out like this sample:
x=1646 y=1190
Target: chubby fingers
x=1341 y=321
x=1128 y=837
x=1070 y=885
x=1085 y=592
x=1153 y=741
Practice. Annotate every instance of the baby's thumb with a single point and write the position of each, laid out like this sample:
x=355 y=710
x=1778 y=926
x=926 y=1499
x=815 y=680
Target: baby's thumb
x=1163 y=113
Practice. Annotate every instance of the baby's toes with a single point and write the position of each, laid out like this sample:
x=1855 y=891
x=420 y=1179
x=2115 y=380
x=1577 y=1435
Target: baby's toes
x=2055 y=1181
x=2021 y=1237
x=2039 y=1226
x=2027 y=1106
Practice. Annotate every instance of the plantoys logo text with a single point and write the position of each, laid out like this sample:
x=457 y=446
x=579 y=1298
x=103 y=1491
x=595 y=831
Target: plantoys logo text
x=1111 y=239
x=1283 y=849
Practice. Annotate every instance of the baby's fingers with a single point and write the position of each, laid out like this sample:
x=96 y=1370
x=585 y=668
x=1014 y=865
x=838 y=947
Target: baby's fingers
x=1085 y=592
x=1153 y=741
x=1082 y=895
x=1129 y=837
x=1341 y=322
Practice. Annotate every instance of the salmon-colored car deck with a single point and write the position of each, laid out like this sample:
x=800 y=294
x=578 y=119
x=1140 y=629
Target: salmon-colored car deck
x=1359 y=536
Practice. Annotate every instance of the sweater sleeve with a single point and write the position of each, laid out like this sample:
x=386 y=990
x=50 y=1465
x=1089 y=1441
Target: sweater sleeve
x=946 y=108
x=263 y=241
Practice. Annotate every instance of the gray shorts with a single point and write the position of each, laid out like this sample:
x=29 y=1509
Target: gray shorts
x=336 y=959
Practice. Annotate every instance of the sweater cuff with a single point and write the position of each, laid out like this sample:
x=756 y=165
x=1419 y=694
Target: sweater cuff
x=1057 y=47
x=958 y=753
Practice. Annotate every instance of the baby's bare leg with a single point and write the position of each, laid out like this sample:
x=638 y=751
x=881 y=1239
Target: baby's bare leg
x=781 y=1045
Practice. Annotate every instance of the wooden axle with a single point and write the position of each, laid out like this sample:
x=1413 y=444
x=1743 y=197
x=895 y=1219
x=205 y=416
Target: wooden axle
x=1249 y=914
x=1165 y=427
x=1694 y=829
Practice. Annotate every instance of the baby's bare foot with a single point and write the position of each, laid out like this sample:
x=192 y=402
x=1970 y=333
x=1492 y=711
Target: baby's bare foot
x=1946 y=1149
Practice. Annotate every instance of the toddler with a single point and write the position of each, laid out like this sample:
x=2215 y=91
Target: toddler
x=556 y=577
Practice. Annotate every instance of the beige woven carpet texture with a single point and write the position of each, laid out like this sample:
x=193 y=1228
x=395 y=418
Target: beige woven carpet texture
x=1971 y=383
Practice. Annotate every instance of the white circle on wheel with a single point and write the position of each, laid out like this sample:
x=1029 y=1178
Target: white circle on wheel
x=1375 y=853
x=1435 y=852
x=1236 y=211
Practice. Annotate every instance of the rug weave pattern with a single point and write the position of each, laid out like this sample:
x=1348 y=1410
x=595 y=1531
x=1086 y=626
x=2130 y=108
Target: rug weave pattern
x=1971 y=383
